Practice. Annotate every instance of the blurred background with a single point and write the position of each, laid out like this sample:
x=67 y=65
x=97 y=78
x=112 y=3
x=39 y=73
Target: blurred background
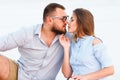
x=15 y=14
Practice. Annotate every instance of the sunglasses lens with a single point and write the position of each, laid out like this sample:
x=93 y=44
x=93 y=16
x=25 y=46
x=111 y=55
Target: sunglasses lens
x=65 y=18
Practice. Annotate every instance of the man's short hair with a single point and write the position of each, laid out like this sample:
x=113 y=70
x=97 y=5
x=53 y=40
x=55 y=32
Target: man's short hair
x=51 y=8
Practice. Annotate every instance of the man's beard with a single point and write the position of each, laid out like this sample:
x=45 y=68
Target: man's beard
x=56 y=31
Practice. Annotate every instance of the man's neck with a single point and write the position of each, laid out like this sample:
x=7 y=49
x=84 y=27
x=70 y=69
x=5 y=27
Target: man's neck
x=47 y=35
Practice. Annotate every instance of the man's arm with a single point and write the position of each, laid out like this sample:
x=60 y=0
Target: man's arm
x=12 y=40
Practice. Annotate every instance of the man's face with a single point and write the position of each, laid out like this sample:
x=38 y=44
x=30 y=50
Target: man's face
x=59 y=21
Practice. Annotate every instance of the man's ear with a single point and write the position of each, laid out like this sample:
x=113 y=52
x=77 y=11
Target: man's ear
x=49 y=19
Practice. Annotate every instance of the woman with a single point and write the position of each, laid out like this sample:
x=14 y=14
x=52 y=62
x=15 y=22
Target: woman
x=85 y=58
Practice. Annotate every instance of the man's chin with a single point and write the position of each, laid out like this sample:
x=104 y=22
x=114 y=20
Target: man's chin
x=63 y=32
x=59 y=32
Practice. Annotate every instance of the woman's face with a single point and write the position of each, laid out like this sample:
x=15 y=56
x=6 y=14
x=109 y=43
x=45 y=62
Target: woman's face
x=72 y=24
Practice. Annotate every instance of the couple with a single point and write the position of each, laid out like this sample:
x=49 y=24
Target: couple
x=44 y=48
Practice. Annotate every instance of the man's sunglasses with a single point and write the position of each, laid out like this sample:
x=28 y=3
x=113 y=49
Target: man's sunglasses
x=64 y=18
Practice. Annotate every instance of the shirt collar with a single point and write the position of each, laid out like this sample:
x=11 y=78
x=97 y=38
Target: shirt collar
x=38 y=29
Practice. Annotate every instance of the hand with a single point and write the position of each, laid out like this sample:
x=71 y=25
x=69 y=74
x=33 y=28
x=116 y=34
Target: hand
x=4 y=68
x=71 y=79
x=79 y=77
x=64 y=41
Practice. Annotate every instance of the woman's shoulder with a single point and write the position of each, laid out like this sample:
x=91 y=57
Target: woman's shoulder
x=96 y=41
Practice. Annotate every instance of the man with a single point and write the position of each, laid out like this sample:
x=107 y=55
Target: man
x=41 y=52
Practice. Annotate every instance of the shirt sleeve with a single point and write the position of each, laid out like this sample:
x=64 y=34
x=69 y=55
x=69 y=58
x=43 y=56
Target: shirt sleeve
x=12 y=40
x=102 y=56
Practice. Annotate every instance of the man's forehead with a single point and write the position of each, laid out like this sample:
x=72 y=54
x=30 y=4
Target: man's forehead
x=60 y=12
